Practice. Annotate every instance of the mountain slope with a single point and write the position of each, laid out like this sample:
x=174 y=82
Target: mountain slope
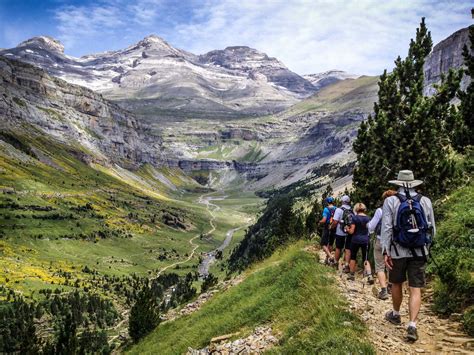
x=70 y=114
x=320 y=80
x=154 y=76
x=289 y=292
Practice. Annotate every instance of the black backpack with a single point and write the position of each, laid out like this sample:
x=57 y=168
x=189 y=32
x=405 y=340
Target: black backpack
x=347 y=215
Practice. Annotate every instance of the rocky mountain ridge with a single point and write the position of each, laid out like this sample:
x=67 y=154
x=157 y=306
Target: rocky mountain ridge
x=268 y=151
x=235 y=81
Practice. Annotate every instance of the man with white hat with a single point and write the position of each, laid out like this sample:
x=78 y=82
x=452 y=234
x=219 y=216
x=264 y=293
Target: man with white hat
x=406 y=263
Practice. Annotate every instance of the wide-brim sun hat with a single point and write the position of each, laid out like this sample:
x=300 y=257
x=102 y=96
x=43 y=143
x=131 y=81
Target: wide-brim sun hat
x=406 y=178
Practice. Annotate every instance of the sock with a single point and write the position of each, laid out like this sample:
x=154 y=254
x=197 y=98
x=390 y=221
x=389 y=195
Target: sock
x=412 y=324
x=395 y=313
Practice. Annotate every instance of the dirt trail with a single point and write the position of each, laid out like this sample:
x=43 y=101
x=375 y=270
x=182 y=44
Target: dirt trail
x=204 y=201
x=436 y=335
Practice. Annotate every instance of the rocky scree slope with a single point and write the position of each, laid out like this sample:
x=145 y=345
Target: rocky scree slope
x=152 y=77
x=34 y=103
x=320 y=80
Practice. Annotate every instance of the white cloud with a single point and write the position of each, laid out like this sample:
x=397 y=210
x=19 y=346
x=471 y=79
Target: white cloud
x=80 y=23
x=311 y=36
x=359 y=36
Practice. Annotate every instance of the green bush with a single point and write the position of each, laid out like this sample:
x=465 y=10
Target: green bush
x=452 y=251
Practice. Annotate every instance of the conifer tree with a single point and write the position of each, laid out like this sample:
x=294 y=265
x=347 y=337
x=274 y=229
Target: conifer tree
x=407 y=130
x=144 y=315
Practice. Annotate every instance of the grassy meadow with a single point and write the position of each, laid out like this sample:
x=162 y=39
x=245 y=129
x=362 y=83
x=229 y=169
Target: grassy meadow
x=59 y=216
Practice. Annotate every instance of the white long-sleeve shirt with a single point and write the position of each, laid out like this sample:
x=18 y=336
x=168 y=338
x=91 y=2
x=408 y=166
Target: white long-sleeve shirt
x=374 y=221
x=389 y=216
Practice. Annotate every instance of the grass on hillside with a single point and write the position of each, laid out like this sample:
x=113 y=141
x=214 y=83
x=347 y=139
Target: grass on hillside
x=63 y=215
x=290 y=291
x=342 y=95
x=454 y=243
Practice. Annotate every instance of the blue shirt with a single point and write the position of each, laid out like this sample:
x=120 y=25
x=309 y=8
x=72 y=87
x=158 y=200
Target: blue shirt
x=361 y=233
x=327 y=211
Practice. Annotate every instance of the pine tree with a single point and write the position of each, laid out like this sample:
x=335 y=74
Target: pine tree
x=407 y=129
x=144 y=315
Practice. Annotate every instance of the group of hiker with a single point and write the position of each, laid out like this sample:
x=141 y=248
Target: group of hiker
x=403 y=228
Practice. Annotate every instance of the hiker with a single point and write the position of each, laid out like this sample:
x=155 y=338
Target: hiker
x=360 y=240
x=327 y=239
x=375 y=226
x=342 y=221
x=408 y=226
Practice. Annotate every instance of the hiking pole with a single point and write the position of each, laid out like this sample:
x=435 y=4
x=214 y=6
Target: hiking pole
x=414 y=226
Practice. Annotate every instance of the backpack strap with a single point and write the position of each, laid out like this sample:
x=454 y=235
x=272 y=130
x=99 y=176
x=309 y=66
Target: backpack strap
x=392 y=244
x=401 y=197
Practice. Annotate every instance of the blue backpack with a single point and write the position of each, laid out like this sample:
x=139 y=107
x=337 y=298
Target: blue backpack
x=411 y=230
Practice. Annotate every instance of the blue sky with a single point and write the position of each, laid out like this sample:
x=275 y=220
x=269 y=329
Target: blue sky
x=362 y=37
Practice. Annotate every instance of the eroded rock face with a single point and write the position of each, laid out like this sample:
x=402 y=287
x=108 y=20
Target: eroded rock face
x=71 y=114
x=253 y=63
x=445 y=55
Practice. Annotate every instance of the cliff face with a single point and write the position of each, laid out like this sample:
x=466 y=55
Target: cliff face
x=34 y=103
x=445 y=55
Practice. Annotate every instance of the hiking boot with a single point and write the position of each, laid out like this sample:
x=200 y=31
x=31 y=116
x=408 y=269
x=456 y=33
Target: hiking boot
x=392 y=318
x=412 y=333
x=351 y=277
x=370 y=280
x=331 y=261
x=383 y=294
x=346 y=269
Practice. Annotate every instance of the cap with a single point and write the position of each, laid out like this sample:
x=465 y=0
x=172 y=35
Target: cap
x=346 y=199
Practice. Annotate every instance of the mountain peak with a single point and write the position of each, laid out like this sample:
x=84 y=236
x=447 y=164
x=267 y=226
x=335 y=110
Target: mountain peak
x=153 y=40
x=44 y=42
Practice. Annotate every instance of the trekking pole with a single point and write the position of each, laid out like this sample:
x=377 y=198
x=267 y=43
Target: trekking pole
x=414 y=226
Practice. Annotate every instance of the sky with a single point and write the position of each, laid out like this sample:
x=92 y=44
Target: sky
x=359 y=36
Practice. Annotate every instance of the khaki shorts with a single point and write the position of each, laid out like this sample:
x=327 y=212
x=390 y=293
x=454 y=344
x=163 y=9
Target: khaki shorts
x=378 y=256
x=414 y=268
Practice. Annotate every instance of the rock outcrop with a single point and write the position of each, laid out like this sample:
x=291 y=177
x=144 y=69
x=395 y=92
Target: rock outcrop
x=33 y=104
x=446 y=55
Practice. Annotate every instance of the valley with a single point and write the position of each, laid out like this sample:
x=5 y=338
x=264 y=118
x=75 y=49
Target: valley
x=154 y=169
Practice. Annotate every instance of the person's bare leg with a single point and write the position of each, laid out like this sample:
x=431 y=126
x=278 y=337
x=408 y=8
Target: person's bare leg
x=327 y=251
x=382 y=279
x=397 y=296
x=414 y=302
x=368 y=269
x=347 y=256
x=337 y=255
x=352 y=266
